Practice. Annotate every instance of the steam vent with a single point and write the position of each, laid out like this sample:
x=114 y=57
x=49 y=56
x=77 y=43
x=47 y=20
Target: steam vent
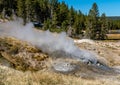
x=34 y=52
x=23 y=56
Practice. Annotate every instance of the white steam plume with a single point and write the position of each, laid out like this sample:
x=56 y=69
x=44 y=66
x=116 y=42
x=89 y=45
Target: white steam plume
x=46 y=41
x=84 y=41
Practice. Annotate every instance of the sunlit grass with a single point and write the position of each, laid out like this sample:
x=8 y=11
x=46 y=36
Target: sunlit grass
x=113 y=36
x=10 y=76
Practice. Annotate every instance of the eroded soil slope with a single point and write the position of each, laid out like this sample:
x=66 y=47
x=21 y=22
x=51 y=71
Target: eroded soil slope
x=21 y=55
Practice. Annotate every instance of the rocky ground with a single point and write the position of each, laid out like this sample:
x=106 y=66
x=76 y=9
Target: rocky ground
x=23 y=64
x=108 y=50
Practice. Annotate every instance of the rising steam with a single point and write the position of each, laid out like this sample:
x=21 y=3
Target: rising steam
x=46 y=41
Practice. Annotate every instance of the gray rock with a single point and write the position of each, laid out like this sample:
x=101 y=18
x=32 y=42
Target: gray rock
x=63 y=66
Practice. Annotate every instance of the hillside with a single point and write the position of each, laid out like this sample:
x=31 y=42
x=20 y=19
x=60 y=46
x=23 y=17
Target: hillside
x=113 y=17
x=20 y=55
x=24 y=64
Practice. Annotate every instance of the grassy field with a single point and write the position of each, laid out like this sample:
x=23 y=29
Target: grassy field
x=10 y=76
x=113 y=36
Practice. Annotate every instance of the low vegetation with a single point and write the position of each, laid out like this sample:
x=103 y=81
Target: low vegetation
x=10 y=76
x=113 y=36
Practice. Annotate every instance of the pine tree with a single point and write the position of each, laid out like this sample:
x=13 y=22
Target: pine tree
x=77 y=23
x=95 y=11
x=104 y=27
x=22 y=10
x=54 y=20
x=53 y=7
x=63 y=13
x=93 y=22
x=42 y=10
x=65 y=25
x=71 y=16
x=1 y=5
x=2 y=9
x=47 y=24
x=29 y=10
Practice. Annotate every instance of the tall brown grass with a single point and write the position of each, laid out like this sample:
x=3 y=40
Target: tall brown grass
x=113 y=36
x=10 y=76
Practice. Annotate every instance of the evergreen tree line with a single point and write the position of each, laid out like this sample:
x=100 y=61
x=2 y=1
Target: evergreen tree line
x=58 y=17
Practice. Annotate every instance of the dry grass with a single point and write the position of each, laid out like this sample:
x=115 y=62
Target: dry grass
x=113 y=36
x=10 y=76
x=21 y=55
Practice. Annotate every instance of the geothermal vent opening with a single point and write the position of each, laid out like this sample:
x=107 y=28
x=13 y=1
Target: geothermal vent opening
x=55 y=45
